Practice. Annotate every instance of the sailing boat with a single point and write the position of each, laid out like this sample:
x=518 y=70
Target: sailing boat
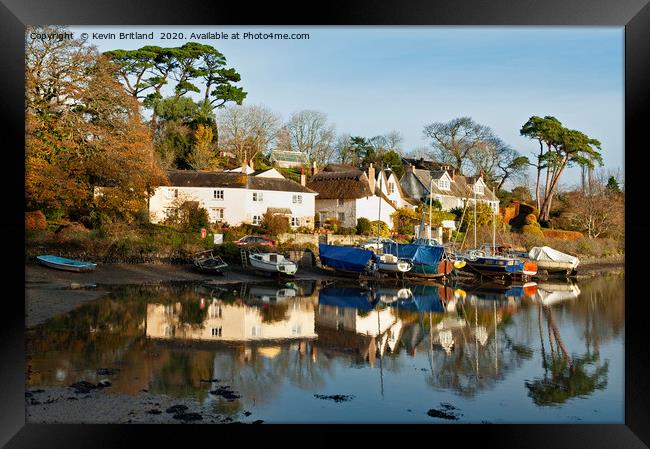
x=486 y=262
x=427 y=255
x=389 y=263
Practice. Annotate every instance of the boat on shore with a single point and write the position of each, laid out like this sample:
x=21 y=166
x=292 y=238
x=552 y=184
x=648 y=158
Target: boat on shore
x=273 y=263
x=345 y=259
x=498 y=266
x=429 y=261
x=209 y=263
x=61 y=263
x=553 y=262
x=391 y=264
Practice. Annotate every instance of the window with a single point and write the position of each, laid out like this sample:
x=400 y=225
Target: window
x=341 y=217
x=295 y=222
x=169 y=309
x=340 y=201
x=217 y=213
x=322 y=216
x=391 y=187
x=297 y=199
x=256 y=331
x=215 y=312
x=296 y=329
x=443 y=184
x=171 y=193
x=216 y=331
x=478 y=188
x=257 y=220
x=217 y=195
x=257 y=196
x=169 y=330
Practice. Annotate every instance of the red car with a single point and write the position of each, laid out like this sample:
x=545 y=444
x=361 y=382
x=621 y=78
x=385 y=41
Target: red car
x=254 y=240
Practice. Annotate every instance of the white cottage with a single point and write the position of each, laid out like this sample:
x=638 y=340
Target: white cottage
x=347 y=193
x=236 y=197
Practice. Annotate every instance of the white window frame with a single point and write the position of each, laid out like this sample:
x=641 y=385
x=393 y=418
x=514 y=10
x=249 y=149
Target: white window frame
x=295 y=222
x=391 y=188
x=257 y=220
x=256 y=331
x=297 y=199
x=478 y=188
x=215 y=211
x=217 y=195
x=444 y=184
x=340 y=202
x=258 y=197
x=338 y=216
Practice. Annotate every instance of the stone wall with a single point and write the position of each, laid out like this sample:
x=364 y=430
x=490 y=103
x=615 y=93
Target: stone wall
x=314 y=239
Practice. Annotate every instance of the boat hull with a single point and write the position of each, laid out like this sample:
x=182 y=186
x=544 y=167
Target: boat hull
x=61 y=263
x=345 y=259
x=270 y=267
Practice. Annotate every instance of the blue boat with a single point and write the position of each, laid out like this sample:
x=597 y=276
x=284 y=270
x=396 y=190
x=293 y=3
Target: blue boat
x=62 y=263
x=428 y=260
x=345 y=258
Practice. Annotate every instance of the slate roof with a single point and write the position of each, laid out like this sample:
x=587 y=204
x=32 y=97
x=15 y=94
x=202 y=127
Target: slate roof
x=192 y=178
x=416 y=185
x=288 y=156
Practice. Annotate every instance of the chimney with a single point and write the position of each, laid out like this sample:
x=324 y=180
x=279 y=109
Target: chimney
x=251 y=164
x=244 y=166
x=303 y=178
x=371 y=178
x=314 y=170
x=409 y=168
x=480 y=174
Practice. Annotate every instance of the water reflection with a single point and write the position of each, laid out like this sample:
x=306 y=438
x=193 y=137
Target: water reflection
x=264 y=340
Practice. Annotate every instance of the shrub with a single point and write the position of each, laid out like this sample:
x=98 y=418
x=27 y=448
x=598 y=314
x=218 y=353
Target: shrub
x=363 y=226
x=532 y=229
x=347 y=231
x=332 y=224
x=35 y=221
x=384 y=231
x=562 y=235
x=275 y=224
x=530 y=219
x=189 y=216
x=305 y=230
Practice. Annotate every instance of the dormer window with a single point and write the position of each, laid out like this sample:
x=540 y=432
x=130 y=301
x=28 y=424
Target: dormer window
x=391 y=188
x=478 y=188
x=443 y=184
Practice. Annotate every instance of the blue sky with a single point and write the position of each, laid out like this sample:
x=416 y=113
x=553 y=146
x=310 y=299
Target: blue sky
x=372 y=80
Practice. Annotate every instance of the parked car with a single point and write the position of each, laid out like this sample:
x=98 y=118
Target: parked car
x=375 y=243
x=254 y=240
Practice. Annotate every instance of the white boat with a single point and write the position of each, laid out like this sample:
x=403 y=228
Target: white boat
x=553 y=261
x=389 y=263
x=272 y=263
x=390 y=295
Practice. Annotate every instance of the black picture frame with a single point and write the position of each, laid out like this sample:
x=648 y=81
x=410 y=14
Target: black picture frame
x=634 y=15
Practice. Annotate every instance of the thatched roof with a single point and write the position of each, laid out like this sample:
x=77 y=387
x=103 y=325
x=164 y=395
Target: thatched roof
x=192 y=178
x=350 y=184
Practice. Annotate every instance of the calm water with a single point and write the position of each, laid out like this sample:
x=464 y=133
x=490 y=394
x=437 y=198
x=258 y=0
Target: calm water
x=551 y=352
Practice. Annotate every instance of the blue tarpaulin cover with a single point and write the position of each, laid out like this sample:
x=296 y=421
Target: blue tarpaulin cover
x=419 y=254
x=425 y=299
x=344 y=257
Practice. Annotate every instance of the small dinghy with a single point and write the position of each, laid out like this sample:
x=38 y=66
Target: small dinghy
x=208 y=262
x=272 y=263
x=389 y=263
x=61 y=263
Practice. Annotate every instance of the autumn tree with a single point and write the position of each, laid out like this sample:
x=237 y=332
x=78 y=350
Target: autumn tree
x=87 y=151
x=203 y=155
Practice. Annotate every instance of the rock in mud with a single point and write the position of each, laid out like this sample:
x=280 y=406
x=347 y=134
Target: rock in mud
x=335 y=397
x=446 y=411
x=176 y=409
x=83 y=387
x=226 y=393
x=188 y=416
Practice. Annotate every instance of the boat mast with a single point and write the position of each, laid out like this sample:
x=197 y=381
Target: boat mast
x=430 y=206
x=474 y=216
x=494 y=233
x=379 y=218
